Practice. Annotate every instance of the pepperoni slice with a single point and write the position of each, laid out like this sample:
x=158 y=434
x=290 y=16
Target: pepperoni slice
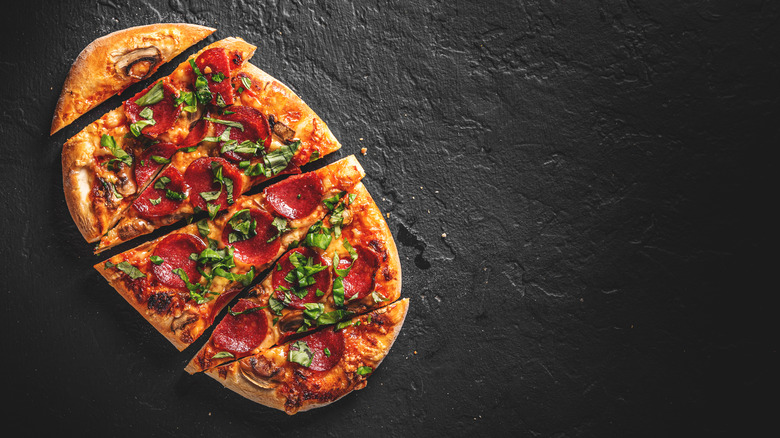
x=296 y=196
x=156 y=202
x=239 y=334
x=175 y=251
x=147 y=167
x=201 y=179
x=256 y=250
x=321 y=279
x=214 y=64
x=164 y=112
x=255 y=127
x=196 y=134
x=360 y=279
x=318 y=342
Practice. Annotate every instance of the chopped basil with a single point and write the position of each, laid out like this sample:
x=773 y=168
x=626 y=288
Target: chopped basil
x=161 y=182
x=218 y=77
x=275 y=305
x=330 y=203
x=300 y=353
x=224 y=181
x=246 y=82
x=187 y=97
x=333 y=317
x=203 y=227
x=362 y=371
x=174 y=196
x=202 y=91
x=157 y=260
x=213 y=209
x=281 y=227
x=245 y=311
x=230 y=123
x=244 y=227
x=313 y=310
x=130 y=270
x=276 y=161
x=338 y=292
x=318 y=236
x=378 y=298
x=120 y=155
x=223 y=355
x=160 y=160
x=210 y=196
x=147 y=120
x=326 y=351
x=154 y=95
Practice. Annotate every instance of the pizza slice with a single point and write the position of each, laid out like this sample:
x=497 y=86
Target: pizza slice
x=100 y=165
x=347 y=264
x=319 y=368
x=179 y=282
x=229 y=151
x=113 y=62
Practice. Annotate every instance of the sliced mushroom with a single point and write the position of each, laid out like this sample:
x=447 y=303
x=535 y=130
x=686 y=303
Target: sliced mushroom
x=258 y=372
x=283 y=131
x=291 y=322
x=139 y=63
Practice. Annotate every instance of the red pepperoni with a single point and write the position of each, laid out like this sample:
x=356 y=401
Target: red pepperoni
x=196 y=134
x=318 y=341
x=175 y=251
x=147 y=167
x=360 y=279
x=200 y=177
x=296 y=196
x=164 y=112
x=214 y=64
x=321 y=279
x=255 y=128
x=256 y=250
x=154 y=203
x=241 y=333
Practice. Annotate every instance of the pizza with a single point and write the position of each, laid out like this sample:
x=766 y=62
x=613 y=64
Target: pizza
x=319 y=368
x=347 y=264
x=180 y=281
x=302 y=259
x=111 y=63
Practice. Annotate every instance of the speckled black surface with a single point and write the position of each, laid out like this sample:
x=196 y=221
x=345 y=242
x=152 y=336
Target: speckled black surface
x=601 y=171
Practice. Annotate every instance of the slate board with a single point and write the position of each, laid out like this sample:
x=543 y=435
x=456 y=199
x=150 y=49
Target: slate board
x=580 y=192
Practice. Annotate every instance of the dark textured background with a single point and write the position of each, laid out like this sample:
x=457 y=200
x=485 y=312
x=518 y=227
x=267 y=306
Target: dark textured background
x=601 y=170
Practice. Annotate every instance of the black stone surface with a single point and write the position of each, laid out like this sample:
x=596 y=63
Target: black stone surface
x=580 y=192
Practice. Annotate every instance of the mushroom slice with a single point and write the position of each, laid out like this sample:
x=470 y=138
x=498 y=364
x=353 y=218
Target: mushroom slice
x=139 y=63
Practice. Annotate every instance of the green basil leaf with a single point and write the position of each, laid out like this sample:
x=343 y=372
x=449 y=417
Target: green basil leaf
x=160 y=160
x=362 y=371
x=230 y=123
x=154 y=95
x=161 y=182
x=223 y=355
x=300 y=353
x=130 y=270
x=157 y=260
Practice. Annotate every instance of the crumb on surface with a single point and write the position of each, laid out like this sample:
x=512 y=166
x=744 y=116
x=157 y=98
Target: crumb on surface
x=363 y=151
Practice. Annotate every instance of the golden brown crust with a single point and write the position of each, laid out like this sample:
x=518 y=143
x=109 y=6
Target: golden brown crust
x=80 y=166
x=113 y=62
x=268 y=378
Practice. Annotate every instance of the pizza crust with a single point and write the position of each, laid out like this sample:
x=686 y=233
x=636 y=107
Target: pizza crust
x=113 y=62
